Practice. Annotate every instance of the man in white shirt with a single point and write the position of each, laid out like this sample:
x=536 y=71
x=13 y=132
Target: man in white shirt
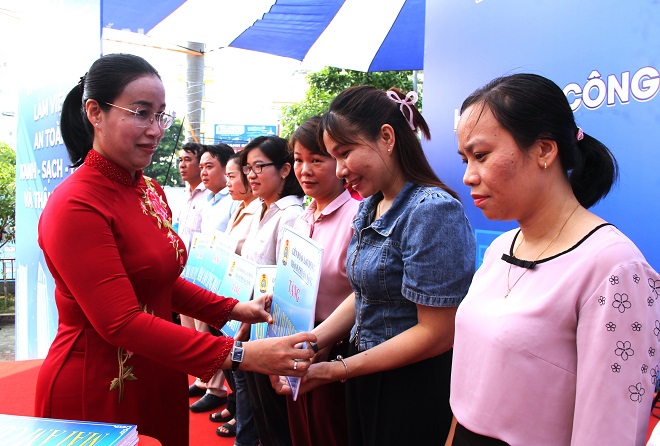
x=190 y=216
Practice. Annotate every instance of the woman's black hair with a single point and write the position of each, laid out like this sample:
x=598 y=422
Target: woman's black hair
x=363 y=110
x=532 y=107
x=276 y=150
x=104 y=82
x=221 y=152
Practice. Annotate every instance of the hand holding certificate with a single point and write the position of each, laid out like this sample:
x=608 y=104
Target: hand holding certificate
x=296 y=288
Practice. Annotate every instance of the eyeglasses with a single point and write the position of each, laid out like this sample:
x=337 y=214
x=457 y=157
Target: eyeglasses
x=257 y=168
x=142 y=118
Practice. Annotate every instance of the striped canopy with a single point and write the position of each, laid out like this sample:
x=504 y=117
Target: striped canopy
x=364 y=35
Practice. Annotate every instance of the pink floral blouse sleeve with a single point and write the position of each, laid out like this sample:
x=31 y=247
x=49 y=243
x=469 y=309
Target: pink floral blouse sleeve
x=618 y=350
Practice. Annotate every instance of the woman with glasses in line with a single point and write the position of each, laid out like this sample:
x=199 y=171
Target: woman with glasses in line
x=238 y=404
x=108 y=241
x=268 y=167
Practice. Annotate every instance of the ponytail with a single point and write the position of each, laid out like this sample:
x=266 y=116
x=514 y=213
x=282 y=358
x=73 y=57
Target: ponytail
x=594 y=173
x=77 y=131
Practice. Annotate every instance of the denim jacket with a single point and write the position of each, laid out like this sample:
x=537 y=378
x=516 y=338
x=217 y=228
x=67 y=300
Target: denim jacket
x=421 y=251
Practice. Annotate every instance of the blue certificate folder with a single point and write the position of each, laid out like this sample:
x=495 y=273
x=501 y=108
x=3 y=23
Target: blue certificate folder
x=208 y=259
x=237 y=283
x=296 y=288
x=265 y=283
x=20 y=431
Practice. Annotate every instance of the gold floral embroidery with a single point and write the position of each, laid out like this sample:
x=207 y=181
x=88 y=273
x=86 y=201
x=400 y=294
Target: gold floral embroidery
x=154 y=205
x=125 y=373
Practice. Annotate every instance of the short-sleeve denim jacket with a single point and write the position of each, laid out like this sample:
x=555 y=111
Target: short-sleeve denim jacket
x=421 y=251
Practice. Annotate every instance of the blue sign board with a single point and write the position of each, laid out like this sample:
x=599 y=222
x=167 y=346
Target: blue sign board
x=238 y=135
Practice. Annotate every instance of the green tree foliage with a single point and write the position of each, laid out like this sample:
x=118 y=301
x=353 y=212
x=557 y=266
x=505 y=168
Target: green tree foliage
x=324 y=85
x=166 y=157
x=7 y=194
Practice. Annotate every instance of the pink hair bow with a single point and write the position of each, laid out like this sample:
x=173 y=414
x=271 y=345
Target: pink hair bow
x=410 y=99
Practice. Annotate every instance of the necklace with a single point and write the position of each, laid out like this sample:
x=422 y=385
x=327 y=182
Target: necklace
x=379 y=207
x=508 y=276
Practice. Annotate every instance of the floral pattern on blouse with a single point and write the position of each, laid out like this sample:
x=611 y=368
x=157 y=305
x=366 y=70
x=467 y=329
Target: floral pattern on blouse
x=125 y=372
x=628 y=347
x=154 y=205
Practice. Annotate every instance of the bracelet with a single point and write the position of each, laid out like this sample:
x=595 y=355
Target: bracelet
x=314 y=346
x=340 y=358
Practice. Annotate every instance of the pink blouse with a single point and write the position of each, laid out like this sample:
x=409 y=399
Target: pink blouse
x=332 y=230
x=570 y=357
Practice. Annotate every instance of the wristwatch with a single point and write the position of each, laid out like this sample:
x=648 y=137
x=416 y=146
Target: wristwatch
x=236 y=355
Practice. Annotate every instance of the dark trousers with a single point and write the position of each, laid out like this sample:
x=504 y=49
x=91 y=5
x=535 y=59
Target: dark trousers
x=269 y=409
x=231 y=398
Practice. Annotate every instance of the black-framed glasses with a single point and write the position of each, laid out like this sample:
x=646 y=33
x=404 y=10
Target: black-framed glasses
x=257 y=168
x=143 y=118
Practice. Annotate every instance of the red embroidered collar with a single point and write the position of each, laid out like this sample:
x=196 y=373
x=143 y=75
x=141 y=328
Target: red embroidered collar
x=111 y=170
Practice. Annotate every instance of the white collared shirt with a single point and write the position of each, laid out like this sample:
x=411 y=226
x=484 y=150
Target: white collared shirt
x=190 y=215
x=263 y=241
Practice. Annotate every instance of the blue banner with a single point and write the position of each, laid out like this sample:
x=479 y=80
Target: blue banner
x=603 y=53
x=54 y=28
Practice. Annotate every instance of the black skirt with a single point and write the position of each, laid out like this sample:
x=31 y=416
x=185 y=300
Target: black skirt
x=465 y=437
x=408 y=405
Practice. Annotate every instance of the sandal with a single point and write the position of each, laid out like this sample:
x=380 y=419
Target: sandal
x=230 y=430
x=218 y=418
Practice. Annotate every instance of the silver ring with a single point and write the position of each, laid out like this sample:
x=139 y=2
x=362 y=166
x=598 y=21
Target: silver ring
x=295 y=364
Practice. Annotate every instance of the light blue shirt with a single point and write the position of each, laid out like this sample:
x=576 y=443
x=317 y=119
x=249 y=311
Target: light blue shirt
x=217 y=211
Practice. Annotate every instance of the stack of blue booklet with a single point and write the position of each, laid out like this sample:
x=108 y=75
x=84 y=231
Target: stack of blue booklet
x=21 y=431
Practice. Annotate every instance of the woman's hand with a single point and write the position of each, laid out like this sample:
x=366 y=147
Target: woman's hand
x=256 y=310
x=322 y=355
x=243 y=332
x=281 y=385
x=279 y=356
x=318 y=374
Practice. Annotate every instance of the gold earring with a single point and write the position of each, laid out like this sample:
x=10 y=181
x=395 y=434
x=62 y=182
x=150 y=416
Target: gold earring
x=545 y=165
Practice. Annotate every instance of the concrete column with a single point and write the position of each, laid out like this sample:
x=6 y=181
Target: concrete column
x=195 y=89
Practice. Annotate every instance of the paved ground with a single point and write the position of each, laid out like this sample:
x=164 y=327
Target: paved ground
x=7 y=339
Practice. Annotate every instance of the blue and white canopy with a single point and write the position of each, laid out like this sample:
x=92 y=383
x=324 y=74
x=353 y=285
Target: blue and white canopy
x=365 y=35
